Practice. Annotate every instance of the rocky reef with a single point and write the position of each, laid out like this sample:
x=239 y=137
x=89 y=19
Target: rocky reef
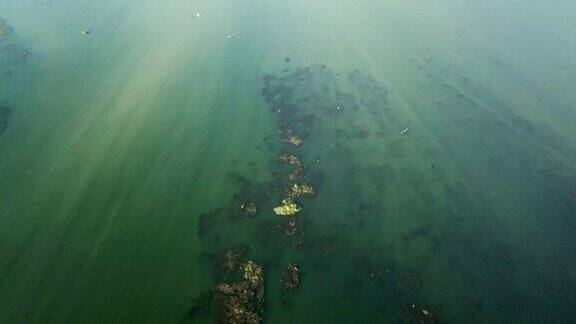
x=312 y=106
x=242 y=302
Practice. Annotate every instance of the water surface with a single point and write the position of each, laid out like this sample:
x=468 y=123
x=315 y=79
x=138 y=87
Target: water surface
x=128 y=152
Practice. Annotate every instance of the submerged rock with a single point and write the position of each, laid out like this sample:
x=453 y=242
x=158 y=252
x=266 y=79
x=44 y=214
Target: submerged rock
x=294 y=140
x=250 y=208
x=237 y=303
x=289 y=136
x=301 y=190
x=297 y=167
x=5 y=29
x=11 y=52
x=231 y=260
x=290 y=227
x=290 y=159
x=3 y=32
x=291 y=276
x=4 y=117
x=243 y=302
x=253 y=273
x=415 y=314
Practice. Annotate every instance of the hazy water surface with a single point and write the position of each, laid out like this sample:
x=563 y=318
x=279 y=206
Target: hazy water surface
x=126 y=154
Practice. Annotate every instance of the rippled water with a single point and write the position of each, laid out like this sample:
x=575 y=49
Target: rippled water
x=126 y=156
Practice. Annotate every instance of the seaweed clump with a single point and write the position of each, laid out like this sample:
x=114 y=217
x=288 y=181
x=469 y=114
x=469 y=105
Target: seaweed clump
x=243 y=302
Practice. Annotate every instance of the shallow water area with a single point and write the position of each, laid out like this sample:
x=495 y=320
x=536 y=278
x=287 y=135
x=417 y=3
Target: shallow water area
x=421 y=154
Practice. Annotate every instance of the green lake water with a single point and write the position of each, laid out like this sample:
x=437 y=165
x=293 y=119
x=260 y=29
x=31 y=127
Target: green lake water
x=127 y=153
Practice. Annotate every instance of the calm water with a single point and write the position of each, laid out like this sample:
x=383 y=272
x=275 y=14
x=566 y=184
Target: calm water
x=125 y=156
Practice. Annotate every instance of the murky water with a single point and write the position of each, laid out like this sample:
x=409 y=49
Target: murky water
x=141 y=162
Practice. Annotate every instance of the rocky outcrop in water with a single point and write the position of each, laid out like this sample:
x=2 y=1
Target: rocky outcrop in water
x=287 y=208
x=313 y=106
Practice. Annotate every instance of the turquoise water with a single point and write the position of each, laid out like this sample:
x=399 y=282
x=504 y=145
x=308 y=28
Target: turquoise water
x=128 y=152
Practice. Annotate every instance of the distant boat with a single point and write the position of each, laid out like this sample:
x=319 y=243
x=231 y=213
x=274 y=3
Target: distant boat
x=404 y=131
x=85 y=32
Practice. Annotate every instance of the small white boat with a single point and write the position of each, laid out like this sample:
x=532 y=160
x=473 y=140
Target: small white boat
x=85 y=32
x=404 y=131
